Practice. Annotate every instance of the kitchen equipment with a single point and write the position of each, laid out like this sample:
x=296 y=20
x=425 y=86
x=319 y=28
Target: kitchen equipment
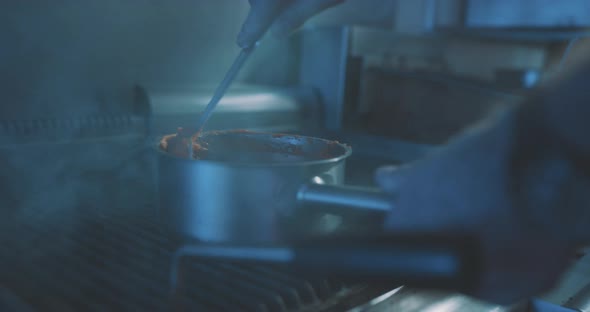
x=109 y=260
x=222 y=201
x=426 y=260
x=246 y=188
x=244 y=106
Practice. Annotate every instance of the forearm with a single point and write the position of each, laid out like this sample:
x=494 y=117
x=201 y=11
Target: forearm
x=517 y=182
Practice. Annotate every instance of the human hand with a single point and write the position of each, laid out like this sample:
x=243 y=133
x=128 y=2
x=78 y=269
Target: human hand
x=283 y=15
x=463 y=188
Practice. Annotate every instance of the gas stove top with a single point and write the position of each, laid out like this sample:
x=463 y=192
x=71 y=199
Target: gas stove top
x=108 y=262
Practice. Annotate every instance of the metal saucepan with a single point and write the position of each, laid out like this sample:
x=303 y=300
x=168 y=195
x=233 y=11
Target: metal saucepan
x=242 y=201
x=248 y=187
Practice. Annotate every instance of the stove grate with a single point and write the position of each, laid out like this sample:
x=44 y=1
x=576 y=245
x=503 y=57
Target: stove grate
x=101 y=263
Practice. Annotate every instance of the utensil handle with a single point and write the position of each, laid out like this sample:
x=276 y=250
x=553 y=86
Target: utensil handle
x=433 y=261
x=341 y=200
x=224 y=85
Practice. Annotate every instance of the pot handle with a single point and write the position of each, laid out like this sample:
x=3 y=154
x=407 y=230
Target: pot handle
x=343 y=200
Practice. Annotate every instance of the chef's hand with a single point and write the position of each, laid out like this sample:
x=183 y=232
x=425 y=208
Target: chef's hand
x=283 y=15
x=463 y=188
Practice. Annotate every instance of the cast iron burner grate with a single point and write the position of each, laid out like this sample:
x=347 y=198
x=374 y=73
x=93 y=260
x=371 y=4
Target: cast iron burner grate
x=91 y=262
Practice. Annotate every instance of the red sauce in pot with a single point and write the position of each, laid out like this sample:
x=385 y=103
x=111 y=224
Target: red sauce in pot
x=178 y=145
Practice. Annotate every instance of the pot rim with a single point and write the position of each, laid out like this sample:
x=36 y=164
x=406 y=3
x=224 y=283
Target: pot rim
x=347 y=152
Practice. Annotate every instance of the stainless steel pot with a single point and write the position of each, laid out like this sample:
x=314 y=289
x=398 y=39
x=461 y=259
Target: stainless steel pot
x=247 y=185
x=242 y=203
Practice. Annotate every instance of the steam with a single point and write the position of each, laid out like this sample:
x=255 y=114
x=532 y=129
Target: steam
x=57 y=183
x=68 y=58
x=74 y=57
